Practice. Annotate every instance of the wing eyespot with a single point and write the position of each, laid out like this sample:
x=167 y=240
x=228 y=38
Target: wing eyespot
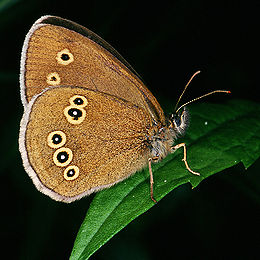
x=64 y=57
x=75 y=115
x=71 y=173
x=79 y=101
x=56 y=139
x=62 y=157
x=53 y=79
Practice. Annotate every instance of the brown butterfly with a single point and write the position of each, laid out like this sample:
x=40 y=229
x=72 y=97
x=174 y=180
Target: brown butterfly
x=89 y=121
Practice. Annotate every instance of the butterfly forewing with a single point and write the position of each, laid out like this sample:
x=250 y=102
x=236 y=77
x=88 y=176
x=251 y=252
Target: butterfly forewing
x=59 y=52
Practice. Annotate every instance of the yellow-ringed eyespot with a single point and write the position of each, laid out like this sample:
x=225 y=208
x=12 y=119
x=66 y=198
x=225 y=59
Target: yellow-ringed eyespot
x=62 y=157
x=56 y=139
x=75 y=115
x=79 y=101
x=53 y=79
x=71 y=173
x=64 y=57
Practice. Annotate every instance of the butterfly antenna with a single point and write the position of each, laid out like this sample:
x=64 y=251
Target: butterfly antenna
x=197 y=72
x=210 y=93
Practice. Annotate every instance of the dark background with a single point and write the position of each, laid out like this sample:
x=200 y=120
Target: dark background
x=165 y=41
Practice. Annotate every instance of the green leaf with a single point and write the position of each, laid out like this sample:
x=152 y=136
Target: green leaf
x=219 y=137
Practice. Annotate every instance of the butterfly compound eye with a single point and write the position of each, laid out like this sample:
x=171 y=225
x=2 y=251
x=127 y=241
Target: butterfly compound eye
x=177 y=120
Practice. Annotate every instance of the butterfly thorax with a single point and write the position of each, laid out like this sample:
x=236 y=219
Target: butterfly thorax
x=162 y=137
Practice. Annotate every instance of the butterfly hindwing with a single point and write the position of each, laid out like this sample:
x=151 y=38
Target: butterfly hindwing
x=75 y=141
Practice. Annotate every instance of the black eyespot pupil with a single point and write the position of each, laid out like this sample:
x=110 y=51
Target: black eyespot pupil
x=62 y=157
x=53 y=78
x=65 y=57
x=75 y=113
x=71 y=173
x=56 y=139
x=78 y=101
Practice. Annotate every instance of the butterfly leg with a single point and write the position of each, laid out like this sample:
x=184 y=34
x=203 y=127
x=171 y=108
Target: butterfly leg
x=151 y=179
x=184 y=157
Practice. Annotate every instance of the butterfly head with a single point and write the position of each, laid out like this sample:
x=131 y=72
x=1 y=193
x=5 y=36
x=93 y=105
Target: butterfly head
x=178 y=122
